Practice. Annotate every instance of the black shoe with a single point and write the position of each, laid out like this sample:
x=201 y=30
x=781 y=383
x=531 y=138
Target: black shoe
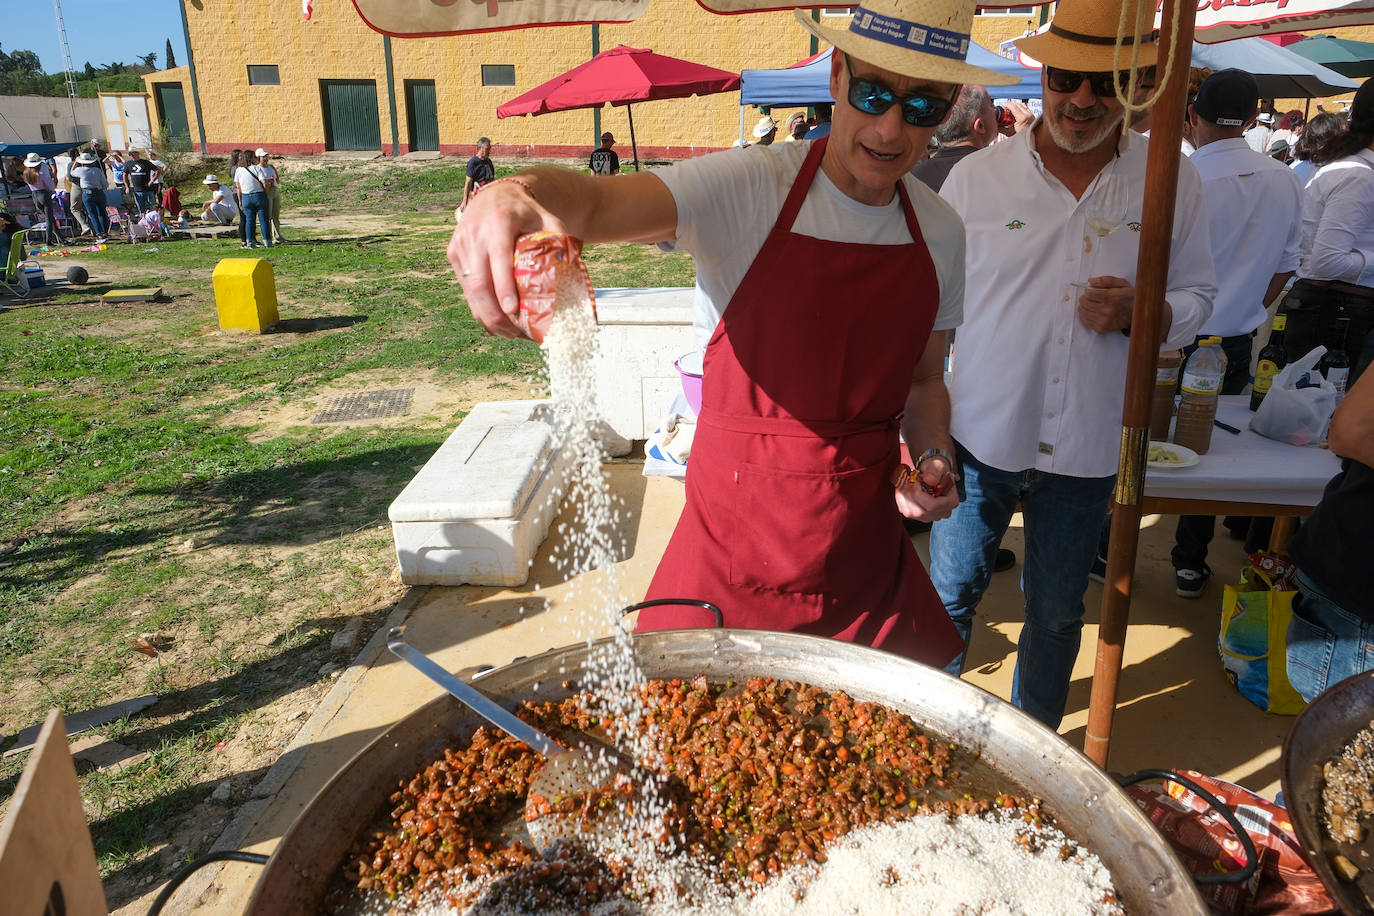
x=1006 y=559
x=1098 y=573
x=915 y=526
x=1189 y=583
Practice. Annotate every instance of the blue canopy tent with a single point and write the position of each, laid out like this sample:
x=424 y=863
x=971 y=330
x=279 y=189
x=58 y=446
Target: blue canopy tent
x=809 y=83
x=43 y=149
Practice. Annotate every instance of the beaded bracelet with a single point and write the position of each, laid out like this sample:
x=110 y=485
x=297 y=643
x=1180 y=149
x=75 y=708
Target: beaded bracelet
x=512 y=180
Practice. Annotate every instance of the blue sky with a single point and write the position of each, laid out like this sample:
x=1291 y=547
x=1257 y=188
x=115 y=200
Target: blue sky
x=99 y=31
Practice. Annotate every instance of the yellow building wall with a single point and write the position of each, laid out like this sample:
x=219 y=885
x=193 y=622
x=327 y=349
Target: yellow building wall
x=229 y=35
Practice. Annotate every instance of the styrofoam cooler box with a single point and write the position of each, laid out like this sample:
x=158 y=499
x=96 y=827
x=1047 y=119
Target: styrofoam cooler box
x=641 y=333
x=478 y=510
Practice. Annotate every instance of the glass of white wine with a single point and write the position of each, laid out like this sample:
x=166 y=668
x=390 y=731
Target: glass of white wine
x=1105 y=214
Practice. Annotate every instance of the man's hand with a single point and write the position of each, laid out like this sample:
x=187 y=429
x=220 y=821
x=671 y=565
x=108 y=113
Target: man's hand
x=1021 y=114
x=932 y=495
x=482 y=251
x=1106 y=305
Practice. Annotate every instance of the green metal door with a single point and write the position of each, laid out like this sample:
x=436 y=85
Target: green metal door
x=350 y=114
x=171 y=115
x=424 y=114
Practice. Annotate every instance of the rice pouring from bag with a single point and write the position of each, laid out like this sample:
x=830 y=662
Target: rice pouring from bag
x=545 y=263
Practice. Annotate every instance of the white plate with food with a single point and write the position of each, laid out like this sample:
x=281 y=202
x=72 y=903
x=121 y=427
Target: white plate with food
x=1168 y=456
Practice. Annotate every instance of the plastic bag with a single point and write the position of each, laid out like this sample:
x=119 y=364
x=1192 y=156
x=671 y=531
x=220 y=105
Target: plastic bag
x=667 y=449
x=1252 y=640
x=1298 y=407
x=1284 y=882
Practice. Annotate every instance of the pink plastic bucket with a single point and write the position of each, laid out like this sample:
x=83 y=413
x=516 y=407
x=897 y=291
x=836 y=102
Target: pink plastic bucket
x=689 y=367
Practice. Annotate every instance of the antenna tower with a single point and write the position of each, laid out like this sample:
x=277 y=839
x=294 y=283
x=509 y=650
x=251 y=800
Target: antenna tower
x=67 y=62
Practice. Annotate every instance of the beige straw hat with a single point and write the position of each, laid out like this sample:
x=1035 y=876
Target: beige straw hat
x=1082 y=36
x=922 y=39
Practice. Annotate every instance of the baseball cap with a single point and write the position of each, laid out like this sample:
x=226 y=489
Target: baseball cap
x=608 y=137
x=259 y=152
x=1227 y=98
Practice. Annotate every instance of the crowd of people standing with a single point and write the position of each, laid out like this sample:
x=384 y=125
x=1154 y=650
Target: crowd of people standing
x=73 y=194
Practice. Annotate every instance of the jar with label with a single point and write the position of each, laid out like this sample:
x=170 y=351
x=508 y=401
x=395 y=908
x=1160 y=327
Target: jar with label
x=1166 y=386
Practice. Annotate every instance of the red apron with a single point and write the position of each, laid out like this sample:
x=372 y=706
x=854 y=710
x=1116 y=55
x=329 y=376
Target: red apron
x=790 y=521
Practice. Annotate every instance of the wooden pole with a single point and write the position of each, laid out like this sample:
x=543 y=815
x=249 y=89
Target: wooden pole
x=1152 y=271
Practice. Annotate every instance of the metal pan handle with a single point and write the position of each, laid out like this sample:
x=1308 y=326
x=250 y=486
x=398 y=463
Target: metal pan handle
x=1247 y=844
x=691 y=602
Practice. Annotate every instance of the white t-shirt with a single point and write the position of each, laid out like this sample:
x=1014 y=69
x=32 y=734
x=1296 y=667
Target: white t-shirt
x=727 y=203
x=248 y=179
x=223 y=197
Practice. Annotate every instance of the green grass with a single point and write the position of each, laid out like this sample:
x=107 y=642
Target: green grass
x=134 y=499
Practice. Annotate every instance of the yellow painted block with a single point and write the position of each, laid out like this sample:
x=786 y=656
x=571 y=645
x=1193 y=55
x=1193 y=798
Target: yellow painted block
x=245 y=294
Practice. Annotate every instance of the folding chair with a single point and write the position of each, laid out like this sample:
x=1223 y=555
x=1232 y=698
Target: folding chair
x=13 y=278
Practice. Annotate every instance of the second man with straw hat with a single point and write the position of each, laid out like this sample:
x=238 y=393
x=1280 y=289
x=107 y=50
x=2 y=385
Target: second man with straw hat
x=794 y=489
x=1053 y=222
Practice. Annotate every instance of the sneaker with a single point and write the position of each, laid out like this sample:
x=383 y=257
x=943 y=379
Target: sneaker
x=1098 y=573
x=1189 y=583
x=1006 y=559
x=244 y=245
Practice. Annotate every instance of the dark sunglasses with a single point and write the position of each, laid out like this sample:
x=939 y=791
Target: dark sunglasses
x=874 y=98
x=1102 y=84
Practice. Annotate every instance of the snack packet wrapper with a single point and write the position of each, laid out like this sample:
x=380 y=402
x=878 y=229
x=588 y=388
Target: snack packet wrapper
x=549 y=274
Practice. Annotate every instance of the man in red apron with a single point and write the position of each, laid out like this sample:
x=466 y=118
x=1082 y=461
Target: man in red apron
x=792 y=521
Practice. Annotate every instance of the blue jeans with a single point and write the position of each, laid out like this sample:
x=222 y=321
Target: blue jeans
x=255 y=214
x=1326 y=644
x=1062 y=517
x=145 y=201
x=94 y=199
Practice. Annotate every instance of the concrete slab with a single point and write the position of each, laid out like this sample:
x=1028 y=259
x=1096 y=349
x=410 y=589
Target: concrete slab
x=1176 y=707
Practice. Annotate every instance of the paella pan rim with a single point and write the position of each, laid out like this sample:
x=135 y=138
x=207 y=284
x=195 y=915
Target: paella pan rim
x=1085 y=801
x=1320 y=732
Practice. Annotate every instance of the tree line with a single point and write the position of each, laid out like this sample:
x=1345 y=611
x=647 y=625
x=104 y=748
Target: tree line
x=21 y=73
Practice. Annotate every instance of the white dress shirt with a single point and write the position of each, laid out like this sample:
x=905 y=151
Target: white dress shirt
x=1254 y=212
x=1338 y=222
x=1032 y=386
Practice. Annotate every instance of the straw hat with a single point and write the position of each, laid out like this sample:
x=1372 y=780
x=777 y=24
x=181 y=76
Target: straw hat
x=210 y=179
x=86 y=158
x=1082 y=36
x=765 y=127
x=33 y=160
x=922 y=39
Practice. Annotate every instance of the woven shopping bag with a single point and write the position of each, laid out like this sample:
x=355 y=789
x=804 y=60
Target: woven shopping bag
x=1253 y=638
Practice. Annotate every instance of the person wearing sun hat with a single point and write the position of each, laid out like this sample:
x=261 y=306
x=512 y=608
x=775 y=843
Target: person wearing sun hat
x=796 y=492
x=88 y=173
x=38 y=177
x=1040 y=369
x=765 y=131
x=220 y=207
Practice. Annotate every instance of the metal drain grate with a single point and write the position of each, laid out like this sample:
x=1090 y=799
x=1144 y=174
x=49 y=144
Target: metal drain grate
x=369 y=405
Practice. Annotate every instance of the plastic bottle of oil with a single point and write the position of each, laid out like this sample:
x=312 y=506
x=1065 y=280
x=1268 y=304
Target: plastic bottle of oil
x=1166 y=386
x=1197 y=403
